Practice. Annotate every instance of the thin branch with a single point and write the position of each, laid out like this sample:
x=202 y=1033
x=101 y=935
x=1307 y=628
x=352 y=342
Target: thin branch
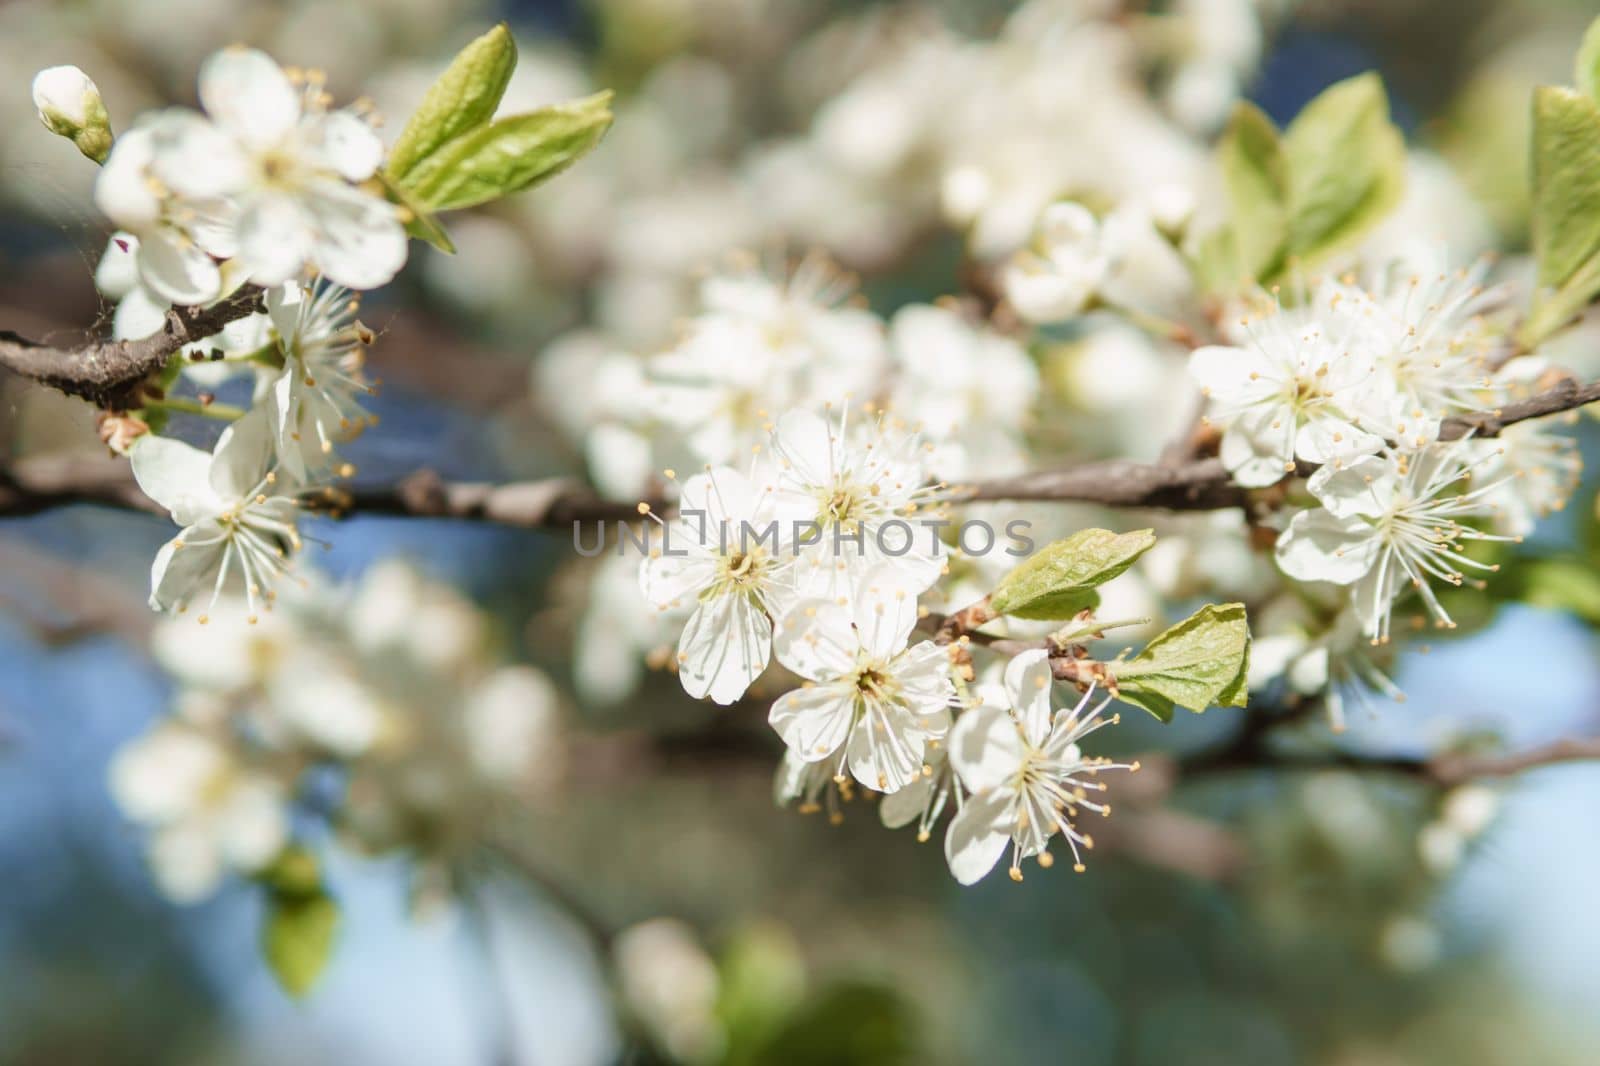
x=1455 y=768
x=38 y=483
x=32 y=485
x=108 y=373
x=552 y=503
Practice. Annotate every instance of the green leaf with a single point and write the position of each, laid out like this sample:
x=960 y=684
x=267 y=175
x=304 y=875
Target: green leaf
x=1200 y=662
x=298 y=940
x=1566 y=182
x=420 y=222
x=464 y=98
x=762 y=983
x=1564 y=584
x=508 y=155
x=302 y=920
x=1214 y=259
x=1346 y=165
x=852 y=1023
x=1257 y=180
x=1566 y=209
x=1060 y=581
x=1587 y=68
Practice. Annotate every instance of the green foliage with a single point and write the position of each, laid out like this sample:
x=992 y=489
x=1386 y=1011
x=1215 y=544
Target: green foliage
x=464 y=98
x=763 y=981
x=509 y=155
x=1332 y=175
x=1200 y=662
x=454 y=154
x=1586 y=70
x=1346 y=167
x=1485 y=137
x=1060 y=581
x=420 y=222
x=1566 y=207
x=852 y=1023
x=1256 y=176
x=302 y=921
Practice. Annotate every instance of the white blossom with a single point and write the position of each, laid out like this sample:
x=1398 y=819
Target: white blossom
x=759 y=348
x=287 y=170
x=863 y=488
x=871 y=703
x=316 y=400
x=1065 y=270
x=1388 y=521
x=971 y=390
x=1302 y=386
x=69 y=104
x=172 y=263
x=141 y=312
x=208 y=814
x=718 y=556
x=238 y=516
x=1020 y=759
x=1426 y=326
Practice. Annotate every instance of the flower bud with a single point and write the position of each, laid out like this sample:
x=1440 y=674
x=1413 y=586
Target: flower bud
x=69 y=104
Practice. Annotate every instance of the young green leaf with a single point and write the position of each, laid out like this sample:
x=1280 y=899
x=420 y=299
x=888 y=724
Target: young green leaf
x=1566 y=207
x=1060 y=581
x=508 y=155
x=1566 y=182
x=1587 y=67
x=464 y=98
x=297 y=939
x=1201 y=662
x=301 y=920
x=1346 y=164
x=420 y=222
x=1257 y=181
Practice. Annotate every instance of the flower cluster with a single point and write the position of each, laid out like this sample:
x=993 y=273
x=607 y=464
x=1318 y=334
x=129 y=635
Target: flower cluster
x=263 y=185
x=1361 y=382
x=372 y=708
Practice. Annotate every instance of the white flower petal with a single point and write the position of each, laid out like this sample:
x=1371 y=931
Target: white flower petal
x=905 y=805
x=251 y=824
x=1319 y=546
x=249 y=95
x=814 y=721
x=243 y=456
x=1364 y=487
x=121 y=190
x=726 y=644
x=977 y=837
x=360 y=242
x=1028 y=681
x=177 y=270
x=175 y=475
x=815 y=640
x=138 y=315
x=985 y=748
x=183 y=571
x=883 y=753
x=804 y=440
x=195 y=159
x=275 y=237
x=672 y=581
x=349 y=145
x=186 y=862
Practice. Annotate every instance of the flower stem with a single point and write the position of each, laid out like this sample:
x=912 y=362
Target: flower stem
x=181 y=405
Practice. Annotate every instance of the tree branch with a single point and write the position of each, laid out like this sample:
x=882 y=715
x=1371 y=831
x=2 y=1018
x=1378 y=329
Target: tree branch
x=31 y=485
x=108 y=373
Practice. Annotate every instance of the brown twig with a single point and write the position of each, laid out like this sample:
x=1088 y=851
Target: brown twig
x=32 y=485
x=109 y=373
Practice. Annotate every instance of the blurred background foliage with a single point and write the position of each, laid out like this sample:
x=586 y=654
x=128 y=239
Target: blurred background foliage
x=1331 y=916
